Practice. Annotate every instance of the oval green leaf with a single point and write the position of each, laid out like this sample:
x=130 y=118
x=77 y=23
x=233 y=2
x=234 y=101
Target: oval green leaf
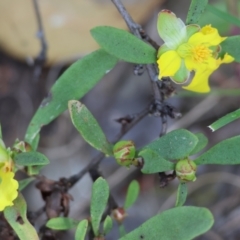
x=195 y=11
x=62 y=223
x=225 y=120
x=31 y=159
x=100 y=194
x=88 y=127
x=74 y=83
x=226 y=152
x=107 y=225
x=132 y=194
x=181 y=223
x=16 y=216
x=153 y=162
x=202 y=143
x=174 y=145
x=181 y=194
x=81 y=230
x=231 y=46
x=124 y=45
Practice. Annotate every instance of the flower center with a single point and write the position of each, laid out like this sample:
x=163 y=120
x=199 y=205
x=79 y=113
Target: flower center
x=198 y=53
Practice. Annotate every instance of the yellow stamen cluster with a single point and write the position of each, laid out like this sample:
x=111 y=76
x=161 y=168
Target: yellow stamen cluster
x=200 y=53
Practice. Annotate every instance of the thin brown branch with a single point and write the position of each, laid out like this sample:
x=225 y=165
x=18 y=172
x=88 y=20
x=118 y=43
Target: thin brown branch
x=134 y=27
x=41 y=58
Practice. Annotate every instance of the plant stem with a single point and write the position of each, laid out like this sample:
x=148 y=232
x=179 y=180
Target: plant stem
x=41 y=58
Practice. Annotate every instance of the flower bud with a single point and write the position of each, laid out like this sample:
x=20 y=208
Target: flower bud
x=124 y=152
x=21 y=146
x=185 y=170
x=119 y=214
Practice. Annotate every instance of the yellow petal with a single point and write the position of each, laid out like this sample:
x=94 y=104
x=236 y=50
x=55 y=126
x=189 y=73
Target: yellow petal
x=8 y=189
x=210 y=39
x=200 y=82
x=162 y=50
x=227 y=59
x=210 y=63
x=168 y=64
x=213 y=35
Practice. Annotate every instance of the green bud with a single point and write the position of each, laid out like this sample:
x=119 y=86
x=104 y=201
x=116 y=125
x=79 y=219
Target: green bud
x=186 y=170
x=124 y=152
x=21 y=146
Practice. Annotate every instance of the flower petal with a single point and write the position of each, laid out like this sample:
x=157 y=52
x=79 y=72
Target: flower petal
x=191 y=29
x=182 y=75
x=212 y=34
x=226 y=59
x=210 y=63
x=209 y=37
x=171 y=29
x=168 y=64
x=162 y=50
x=200 y=82
x=8 y=189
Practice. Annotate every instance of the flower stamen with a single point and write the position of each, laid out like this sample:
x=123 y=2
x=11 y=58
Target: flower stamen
x=200 y=53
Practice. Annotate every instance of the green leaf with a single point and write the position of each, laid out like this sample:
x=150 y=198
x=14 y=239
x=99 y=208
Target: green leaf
x=195 y=11
x=226 y=152
x=181 y=223
x=34 y=170
x=132 y=194
x=31 y=159
x=174 y=145
x=223 y=15
x=209 y=18
x=74 y=83
x=62 y=223
x=153 y=162
x=107 y=225
x=122 y=230
x=124 y=45
x=202 y=143
x=24 y=183
x=81 y=230
x=181 y=194
x=88 y=127
x=16 y=217
x=231 y=46
x=225 y=120
x=100 y=194
x=34 y=143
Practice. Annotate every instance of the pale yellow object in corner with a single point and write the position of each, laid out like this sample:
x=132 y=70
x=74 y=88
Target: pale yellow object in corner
x=66 y=23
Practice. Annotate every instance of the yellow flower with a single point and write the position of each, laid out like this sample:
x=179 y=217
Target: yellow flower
x=8 y=188
x=8 y=185
x=188 y=48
